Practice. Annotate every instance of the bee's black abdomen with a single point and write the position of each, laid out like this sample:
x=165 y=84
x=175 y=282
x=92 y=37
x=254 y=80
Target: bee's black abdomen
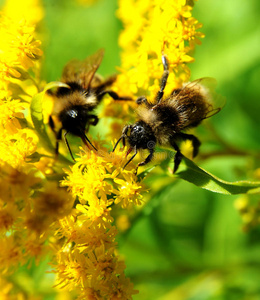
x=167 y=115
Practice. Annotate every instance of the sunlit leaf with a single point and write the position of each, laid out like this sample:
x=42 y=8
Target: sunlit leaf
x=37 y=115
x=142 y=175
x=190 y=172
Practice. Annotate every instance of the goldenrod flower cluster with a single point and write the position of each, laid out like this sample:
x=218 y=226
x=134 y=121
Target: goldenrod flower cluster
x=150 y=28
x=88 y=261
x=48 y=207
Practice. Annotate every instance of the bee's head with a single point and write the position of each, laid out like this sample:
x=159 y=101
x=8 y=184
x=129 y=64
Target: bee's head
x=74 y=120
x=141 y=136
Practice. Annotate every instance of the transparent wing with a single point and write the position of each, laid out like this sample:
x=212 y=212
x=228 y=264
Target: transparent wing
x=82 y=72
x=207 y=87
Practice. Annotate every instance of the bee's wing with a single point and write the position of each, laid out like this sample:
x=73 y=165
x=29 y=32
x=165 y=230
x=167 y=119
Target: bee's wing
x=83 y=72
x=208 y=88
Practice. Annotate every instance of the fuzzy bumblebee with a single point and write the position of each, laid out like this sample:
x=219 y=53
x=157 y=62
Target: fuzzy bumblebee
x=164 y=121
x=74 y=104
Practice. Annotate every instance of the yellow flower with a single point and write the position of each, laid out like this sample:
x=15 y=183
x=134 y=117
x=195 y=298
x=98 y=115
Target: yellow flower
x=16 y=148
x=128 y=191
x=93 y=179
x=87 y=261
x=11 y=254
x=158 y=26
x=35 y=247
x=53 y=202
x=31 y=10
x=87 y=234
x=29 y=50
x=10 y=111
x=18 y=46
x=8 y=215
x=248 y=207
x=93 y=266
x=17 y=184
x=8 y=69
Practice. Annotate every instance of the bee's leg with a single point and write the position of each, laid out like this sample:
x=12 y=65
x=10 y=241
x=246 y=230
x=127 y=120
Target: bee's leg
x=132 y=157
x=147 y=160
x=58 y=139
x=163 y=79
x=114 y=95
x=178 y=156
x=95 y=120
x=123 y=136
x=143 y=100
x=57 y=135
x=51 y=123
x=195 y=142
x=67 y=144
x=103 y=85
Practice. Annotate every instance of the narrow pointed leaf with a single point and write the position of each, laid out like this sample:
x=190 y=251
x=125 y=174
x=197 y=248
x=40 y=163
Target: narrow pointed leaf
x=190 y=172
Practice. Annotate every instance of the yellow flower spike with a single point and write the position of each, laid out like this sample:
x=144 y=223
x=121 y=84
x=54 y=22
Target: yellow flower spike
x=18 y=47
x=9 y=112
x=128 y=192
x=96 y=179
x=35 y=247
x=31 y=10
x=53 y=202
x=96 y=172
x=45 y=165
x=17 y=184
x=158 y=25
x=87 y=234
x=8 y=215
x=11 y=254
x=16 y=148
x=96 y=208
x=91 y=261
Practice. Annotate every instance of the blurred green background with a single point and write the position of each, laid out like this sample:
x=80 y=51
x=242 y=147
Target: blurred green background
x=187 y=243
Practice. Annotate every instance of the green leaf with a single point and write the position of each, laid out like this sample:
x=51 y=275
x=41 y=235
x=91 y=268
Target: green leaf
x=55 y=84
x=37 y=116
x=142 y=175
x=190 y=172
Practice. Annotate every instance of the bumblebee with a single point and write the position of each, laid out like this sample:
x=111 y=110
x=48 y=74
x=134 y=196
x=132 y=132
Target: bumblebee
x=164 y=121
x=74 y=103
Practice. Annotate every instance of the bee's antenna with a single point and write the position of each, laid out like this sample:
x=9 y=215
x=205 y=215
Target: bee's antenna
x=121 y=137
x=132 y=157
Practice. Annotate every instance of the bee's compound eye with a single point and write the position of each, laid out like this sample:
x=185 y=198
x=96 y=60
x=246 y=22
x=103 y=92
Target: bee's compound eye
x=73 y=113
x=138 y=129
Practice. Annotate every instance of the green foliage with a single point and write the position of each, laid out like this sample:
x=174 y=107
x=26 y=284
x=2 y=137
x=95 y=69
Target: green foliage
x=192 y=173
